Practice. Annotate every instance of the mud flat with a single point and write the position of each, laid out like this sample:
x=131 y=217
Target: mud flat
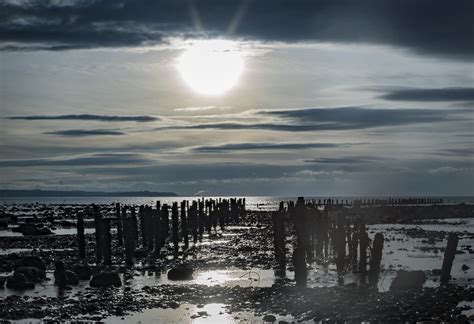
x=235 y=275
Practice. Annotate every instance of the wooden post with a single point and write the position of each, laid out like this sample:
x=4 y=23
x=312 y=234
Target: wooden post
x=118 y=214
x=299 y=255
x=81 y=238
x=98 y=234
x=354 y=244
x=340 y=243
x=156 y=225
x=184 y=225
x=165 y=223
x=175 y=227
x=129 y=241
x=449 y=255
x=143 y=227
x=153 y=227
x=193 y=221
x=201 y=220
x=375 y=259
x=279 y=240
x=363 y=239
x=106 y=241
x=134 y=223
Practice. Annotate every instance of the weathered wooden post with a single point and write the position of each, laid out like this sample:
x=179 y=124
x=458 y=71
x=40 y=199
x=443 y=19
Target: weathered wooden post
x=106 y=241
x=165 y=223
x=299 y=254
x=279 y=240
x=143 y=227
x=98 y=234
x=152 y=226
x=81 y=238
x=363 y=242
x=375 y=259
x=201 y=220
x=193 y=221
x=157 y=230
x=118 y=214
x=134 y=223
x=129 y=241
x=449 y=255
x=184 y=225
x=354 y=244
x=175 y=227
x=340 y=243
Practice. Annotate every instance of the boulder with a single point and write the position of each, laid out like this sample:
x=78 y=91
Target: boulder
x=181 y=272
x=465 y=267
x=32 y=274
x=106 y=279
x=31 y=261
x=408 y=280
x=269 y=318
x=83 y=271
x=18 y=281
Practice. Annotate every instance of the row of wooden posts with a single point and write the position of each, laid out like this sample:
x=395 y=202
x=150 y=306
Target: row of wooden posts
x=378 y=201
x=151 y=229
x=318 y=232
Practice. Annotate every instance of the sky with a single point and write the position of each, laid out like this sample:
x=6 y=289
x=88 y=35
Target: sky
x=334 y=98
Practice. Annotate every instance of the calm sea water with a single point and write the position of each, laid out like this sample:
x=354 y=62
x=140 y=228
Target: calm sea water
x=252 y=202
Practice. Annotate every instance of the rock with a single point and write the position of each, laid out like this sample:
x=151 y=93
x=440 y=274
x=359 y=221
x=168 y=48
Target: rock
x=63 y=277
x=408 y=280
x=105 y=279
x=31 y=261
x=31 y=273
x=465 y=267
x=20 y=282
x=83 y=271
x=181 y=272
x=2 y=281
x=269 y=318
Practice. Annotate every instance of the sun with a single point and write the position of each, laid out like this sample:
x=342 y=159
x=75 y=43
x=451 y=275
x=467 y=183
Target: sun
x=211 y=67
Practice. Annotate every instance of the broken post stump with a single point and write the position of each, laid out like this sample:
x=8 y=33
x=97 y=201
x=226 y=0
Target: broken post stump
x=98 y=234
x=449 y=255
x=175 y=226
x=184 y=225
x=375 y=259
x=118 y=214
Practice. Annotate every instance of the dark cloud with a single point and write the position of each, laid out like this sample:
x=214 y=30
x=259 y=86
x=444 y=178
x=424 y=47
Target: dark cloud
x=106 y=118
x=80 y=160
x=425 y=26
x=327 y=119
x=440 y=94
x=346 y=160
x=265 y=146
x=85 y=132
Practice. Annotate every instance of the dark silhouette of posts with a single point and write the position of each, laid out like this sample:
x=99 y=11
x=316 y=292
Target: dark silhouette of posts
x=340 y=243
x=201 y=220
x=98 y=234
x=152 y=221
x=279 y=239
x=81 y=238
x=363 y=242
x=106 y=241
x=129 y=241
x=165 y=223
x=299 y=255
x=118 y=214
x=354 y=245
x=449 y=255
x=156 y=225
x=193 y=221
x=375 y=259
x=184 y=225
x=143 y=227
x=175 y=227
x=134 y=223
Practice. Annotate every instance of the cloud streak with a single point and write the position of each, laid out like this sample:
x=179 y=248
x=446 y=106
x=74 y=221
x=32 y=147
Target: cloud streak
x=439 y=94
x=89 y=117
x=265 y=146
x=85 y=132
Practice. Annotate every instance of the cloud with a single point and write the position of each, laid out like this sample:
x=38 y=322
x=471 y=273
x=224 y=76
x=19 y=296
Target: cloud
x=346 y=160
x=85 y=132
x=99 y=159
x=265 y=146
x=328 y=119
x=105 y=118
x=434 y=94
x=430 y=27
x=201 y=108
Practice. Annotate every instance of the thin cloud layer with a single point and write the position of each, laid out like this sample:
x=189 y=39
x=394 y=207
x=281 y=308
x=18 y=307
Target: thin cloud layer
x=89 y=117
x=430 y=27
x=265 y=146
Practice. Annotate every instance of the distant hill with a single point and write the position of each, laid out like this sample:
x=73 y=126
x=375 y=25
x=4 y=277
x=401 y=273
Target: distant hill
x=54 y=193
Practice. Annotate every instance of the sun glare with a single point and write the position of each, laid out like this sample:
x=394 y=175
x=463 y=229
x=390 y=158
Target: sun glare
x=211 y=67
